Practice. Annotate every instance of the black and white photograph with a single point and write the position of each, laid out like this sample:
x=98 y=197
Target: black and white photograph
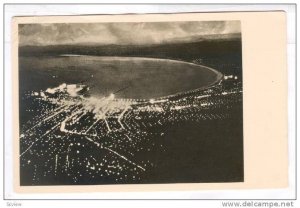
x=130 y=102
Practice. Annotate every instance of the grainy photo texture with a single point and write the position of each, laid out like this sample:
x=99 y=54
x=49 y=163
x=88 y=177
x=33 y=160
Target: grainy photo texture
x=130 y=103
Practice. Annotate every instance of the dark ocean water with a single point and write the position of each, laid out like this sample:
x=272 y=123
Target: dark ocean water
x=143 y=78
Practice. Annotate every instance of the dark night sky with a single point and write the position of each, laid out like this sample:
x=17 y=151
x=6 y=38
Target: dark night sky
x=122 y=33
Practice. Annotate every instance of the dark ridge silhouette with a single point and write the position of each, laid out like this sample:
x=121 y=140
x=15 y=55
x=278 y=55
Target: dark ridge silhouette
x=181 y=51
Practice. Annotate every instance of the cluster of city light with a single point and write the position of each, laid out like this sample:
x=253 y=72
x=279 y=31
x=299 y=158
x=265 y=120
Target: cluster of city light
x=84 y=137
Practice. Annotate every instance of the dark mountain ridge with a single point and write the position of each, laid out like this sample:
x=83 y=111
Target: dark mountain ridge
x=181 y=51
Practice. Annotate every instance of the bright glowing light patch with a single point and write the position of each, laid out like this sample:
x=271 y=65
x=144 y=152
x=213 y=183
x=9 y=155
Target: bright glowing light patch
x=112 y=96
